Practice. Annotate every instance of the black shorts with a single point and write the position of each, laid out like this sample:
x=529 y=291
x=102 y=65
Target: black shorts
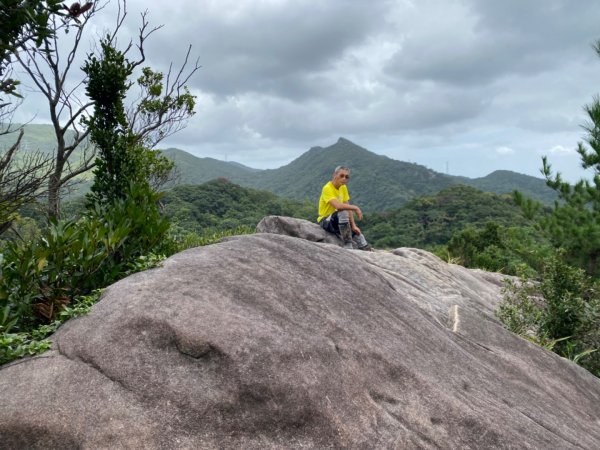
x=332 y=225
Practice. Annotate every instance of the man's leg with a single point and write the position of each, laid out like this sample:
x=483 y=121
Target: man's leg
x=339 y=223
x=361 y=241
x=345 y=229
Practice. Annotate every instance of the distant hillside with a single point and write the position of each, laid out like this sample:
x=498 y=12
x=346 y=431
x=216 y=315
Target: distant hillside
x=194 y=170
x=505 y=182
x=225 y=205
x=429 y=221
x=377 y=183
x=36 y=137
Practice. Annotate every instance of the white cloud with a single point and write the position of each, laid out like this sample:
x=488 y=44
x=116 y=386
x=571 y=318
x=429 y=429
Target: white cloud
x=559 y=150
x=504 y=151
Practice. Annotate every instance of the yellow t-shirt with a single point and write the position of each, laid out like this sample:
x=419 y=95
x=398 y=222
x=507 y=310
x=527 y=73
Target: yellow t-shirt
x=328 y=193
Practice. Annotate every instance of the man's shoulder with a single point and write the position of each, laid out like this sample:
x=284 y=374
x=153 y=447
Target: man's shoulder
x=327 y=186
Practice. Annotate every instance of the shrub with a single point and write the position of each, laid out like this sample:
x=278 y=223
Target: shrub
x=560 y=311
x=499 y=249
x=72 y=258
x=20 y=344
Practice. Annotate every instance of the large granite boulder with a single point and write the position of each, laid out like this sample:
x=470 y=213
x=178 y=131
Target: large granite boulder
x=299 y=228
x=268 y=341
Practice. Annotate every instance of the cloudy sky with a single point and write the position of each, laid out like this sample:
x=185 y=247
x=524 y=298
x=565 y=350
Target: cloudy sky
x=460 y=86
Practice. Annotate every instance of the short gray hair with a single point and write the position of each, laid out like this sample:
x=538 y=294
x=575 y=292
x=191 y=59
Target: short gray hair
x=338 y=168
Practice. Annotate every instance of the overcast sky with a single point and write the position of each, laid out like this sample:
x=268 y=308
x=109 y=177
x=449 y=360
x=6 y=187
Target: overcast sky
x=464 y=87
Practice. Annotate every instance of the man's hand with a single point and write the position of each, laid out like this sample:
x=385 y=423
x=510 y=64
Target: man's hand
x=358 y=212
x=355 y=229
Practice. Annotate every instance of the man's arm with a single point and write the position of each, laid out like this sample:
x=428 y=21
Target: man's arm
x=348 y=207
x=352 y=223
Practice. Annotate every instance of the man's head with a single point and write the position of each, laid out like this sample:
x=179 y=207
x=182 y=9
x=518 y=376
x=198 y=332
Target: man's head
x=341 y=175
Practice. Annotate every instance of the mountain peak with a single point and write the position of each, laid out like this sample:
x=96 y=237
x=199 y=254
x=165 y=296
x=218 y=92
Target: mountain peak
x=347 y=143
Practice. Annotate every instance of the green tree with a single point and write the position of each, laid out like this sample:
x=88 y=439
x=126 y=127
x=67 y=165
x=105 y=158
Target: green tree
x=107 y=86
x=560 y=311
x=50 y=67
x=123 y=156
x=22 y=22
x=510 y=250
x=574 y=222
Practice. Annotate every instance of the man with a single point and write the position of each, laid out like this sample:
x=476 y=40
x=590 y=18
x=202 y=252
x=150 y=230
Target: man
x=336 y=215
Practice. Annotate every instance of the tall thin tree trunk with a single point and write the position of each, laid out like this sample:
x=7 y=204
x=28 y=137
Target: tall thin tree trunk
x=54 y=195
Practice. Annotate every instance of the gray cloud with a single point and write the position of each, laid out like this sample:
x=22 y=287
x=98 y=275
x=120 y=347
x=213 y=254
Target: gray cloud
x=431 y=81
x=476 y=42
x=266 y=46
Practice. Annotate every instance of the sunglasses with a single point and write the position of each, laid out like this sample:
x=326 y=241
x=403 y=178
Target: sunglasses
x=347 y=177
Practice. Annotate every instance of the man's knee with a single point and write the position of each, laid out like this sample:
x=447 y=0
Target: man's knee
x=343 y=216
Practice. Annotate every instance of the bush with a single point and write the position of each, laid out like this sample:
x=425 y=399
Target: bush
x=46 y=283
x=181 y=239
x=72 y=258
x=560 y=311
x=20 y=344
x=499 y=249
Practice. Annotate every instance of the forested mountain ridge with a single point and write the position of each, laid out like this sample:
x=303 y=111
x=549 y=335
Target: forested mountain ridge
x=432 y=220
x=193 y=170
x=222 y=204
x=378 y=182
x=506 y=181
x=422 y=222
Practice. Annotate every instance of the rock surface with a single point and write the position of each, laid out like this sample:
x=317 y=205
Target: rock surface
x=269 y=341
x=299 y=228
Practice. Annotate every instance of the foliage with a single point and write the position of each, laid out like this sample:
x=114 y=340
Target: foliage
x=574 y=222
x=496 y=248
x=222 y=205
x=431 y=221
x=521 y=309
x=164 y=105
x=561 y=312
x=72 y=258
x=29 y=343
x=124 y=143
x=107 y=85
x=21 y=22
x=17 y=345
x=122 y=159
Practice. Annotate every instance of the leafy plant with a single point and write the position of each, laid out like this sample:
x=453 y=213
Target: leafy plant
x=426 y=222
x=72 y=258
x=496 y=248
x=560 y=311
x=17 y=345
